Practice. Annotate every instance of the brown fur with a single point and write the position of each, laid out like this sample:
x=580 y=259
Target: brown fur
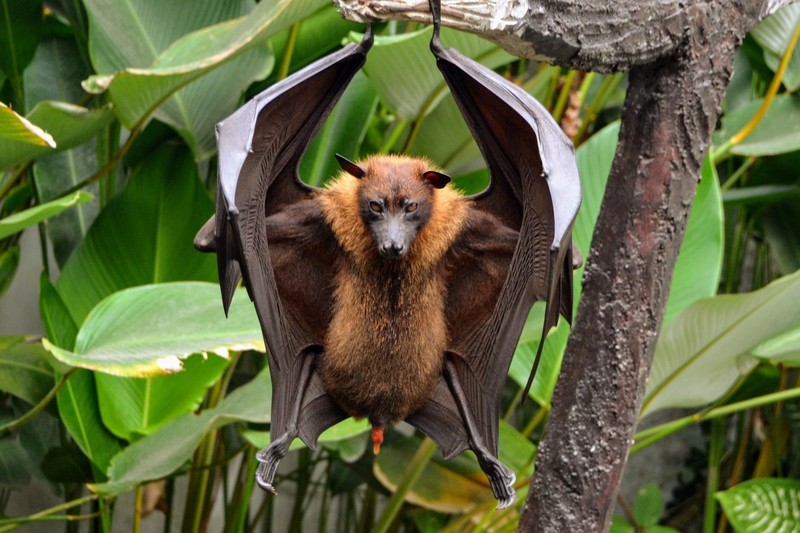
x=385 y=345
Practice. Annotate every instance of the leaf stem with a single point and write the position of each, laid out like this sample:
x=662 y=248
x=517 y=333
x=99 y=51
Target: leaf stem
x=288 y=51
x=649 y=436
x=716 y=449
x=39 y=407
x=7 y=524
x=563 y=96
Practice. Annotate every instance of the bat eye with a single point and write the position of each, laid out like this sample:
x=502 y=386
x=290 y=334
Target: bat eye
x=411 y=207
x=375 y=207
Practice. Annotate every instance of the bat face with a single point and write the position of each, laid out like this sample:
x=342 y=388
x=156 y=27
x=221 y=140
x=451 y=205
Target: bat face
x=395 y=215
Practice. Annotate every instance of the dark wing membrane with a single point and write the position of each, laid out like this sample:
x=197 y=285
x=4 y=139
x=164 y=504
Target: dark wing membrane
x=260 y=147
x=534 y=191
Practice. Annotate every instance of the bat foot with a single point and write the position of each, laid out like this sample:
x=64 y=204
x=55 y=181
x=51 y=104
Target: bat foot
x=269 y=458
x=501 y=479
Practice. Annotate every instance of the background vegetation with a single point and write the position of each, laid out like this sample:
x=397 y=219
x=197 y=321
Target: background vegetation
x=106 y=142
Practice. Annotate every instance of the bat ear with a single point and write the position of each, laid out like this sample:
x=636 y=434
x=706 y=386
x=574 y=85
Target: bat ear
x=351 y=168
x=437 y=179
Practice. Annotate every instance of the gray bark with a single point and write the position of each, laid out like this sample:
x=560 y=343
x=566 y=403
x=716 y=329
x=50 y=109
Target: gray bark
x=680 y=55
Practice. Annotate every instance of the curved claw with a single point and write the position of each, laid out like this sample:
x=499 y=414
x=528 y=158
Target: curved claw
x=269 y=458
x=501 y=479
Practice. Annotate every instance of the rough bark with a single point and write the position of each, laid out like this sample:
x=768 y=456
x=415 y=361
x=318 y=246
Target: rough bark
x=603 y=36
x=668 y=117
x=680 y=54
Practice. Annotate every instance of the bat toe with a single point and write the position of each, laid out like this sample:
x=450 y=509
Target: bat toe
x=265 y=485
x=505 y=503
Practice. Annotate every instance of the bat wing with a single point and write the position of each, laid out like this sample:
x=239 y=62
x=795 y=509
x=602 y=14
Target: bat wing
x=534 y=195
x=265 y=226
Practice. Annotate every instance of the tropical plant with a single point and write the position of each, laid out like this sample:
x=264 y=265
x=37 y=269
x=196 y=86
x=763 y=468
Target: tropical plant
x=141 y=386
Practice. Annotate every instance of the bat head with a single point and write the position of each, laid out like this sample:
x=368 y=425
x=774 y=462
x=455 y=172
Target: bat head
x=395 y=198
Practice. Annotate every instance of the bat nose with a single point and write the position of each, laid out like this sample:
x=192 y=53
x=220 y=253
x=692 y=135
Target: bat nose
x=393 y=249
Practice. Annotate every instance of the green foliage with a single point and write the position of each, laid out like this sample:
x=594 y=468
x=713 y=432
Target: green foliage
x=763 y=505
x=130 y=91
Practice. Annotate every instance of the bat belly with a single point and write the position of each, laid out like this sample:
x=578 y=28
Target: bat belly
x=382 y=362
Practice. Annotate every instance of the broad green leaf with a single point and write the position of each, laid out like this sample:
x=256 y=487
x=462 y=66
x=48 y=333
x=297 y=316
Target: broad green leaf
x=39 y=436
x=766 y=505
x=774 y=34
x=698 y=266
x=19 y=221
x=156 y=64
x=648 y=505
x=193 y=110
x=455 y=485
x=146 y=331
x=445 y=138
x=777 y=133
x=15 y=129
x=143 y=236
x=784 y=349
x=392 y=61
x=342 y=133
x=131 y=408
x=24 y=370
x=80 y=413
x=163 y=452
x=55 y=74
x=20 y=29
x=445 y=486
x=69 y=125
x=706 y=349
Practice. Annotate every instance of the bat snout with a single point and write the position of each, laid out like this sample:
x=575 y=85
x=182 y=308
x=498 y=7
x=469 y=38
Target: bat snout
x=393 y=249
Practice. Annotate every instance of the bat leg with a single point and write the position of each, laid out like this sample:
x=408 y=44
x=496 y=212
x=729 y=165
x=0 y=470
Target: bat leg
x=271 y=456
x=501 y=478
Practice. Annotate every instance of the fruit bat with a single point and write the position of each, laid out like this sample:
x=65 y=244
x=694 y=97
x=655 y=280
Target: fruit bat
x=330 y=270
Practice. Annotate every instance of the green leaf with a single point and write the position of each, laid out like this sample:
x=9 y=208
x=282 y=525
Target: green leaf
x=20 y=29
x=699 y=262
x=24 y=370
x=143 y=236
x=455 y=485
x=19 y=221
x=342 y=133
x=69 y=125
x=445 y=486
x=648 y=506
x=15 y=467
x=783 y=349
x=156 y=64
x=705 y=350
x=766 y=505
x=147 y=331
x=131 y=408
x=413 y=96
x=774 y=34
x=161 y=453
x=55 y=74
x=17 y=129
x=80 y=413
x=777 y=133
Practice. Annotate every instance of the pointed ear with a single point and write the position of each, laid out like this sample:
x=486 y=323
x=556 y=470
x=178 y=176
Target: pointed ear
x=351 y=168
x=437 y=179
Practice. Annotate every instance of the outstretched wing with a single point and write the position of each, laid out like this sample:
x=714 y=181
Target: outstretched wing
x=535 y=191
x=264 y=225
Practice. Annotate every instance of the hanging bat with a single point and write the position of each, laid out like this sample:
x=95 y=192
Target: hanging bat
x=387 y=294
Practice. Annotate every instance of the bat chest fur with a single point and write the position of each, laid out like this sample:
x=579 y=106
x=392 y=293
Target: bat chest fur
x=385 y=347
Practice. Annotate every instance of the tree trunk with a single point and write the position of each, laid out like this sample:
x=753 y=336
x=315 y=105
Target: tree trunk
x=680 y=55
